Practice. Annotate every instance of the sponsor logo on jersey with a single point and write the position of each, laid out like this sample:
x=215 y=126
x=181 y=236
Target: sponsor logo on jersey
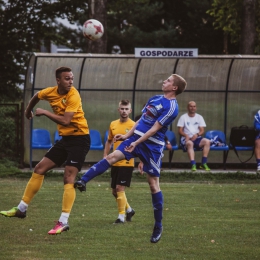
x=158 y=107
x=150 y=113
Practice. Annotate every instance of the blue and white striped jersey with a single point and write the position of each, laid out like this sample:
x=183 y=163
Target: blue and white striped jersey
x=161 y=109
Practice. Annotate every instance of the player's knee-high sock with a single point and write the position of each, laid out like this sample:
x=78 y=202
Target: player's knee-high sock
x=69 y=196
x=128 y=207
x=33 y=186
x=121 y=203
x=157 y=200
x=95 y=170
x=258 y=162
x=193 y=162
x=204 y=160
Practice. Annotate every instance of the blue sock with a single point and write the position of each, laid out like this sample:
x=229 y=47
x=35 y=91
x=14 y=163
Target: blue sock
x=192 y=162
x=204 y=160
x=157 y=200
x=95 y=170
x=258 y=162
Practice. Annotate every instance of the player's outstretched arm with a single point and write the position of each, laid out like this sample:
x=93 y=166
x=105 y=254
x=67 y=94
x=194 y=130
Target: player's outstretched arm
x=120 y=137
x=156 y=127
x=33 y=101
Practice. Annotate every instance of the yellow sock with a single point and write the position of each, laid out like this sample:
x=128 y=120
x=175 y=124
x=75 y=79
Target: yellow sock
x=127 y=205
x=121 y=202
x=69 y=196
x=33 y=185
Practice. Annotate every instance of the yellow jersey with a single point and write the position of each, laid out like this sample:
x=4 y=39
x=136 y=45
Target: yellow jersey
x=117 y=127
x=70 y=102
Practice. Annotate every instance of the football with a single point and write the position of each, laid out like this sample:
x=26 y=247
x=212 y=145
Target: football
x=93 y=29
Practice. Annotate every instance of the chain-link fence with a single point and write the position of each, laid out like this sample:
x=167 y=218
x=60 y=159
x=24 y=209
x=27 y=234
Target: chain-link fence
x=11 y=132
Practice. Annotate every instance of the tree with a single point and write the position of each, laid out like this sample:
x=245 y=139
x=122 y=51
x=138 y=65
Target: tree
x=140 y=27
x=98 y=11
x=165 y=23
x=194 y=25
x=248 y=30
x=239 y=20
x=24 y=27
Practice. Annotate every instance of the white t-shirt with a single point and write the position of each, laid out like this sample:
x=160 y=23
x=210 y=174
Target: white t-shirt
x=191 y=124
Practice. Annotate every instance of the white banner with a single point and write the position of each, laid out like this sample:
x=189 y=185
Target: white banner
x=165 y=53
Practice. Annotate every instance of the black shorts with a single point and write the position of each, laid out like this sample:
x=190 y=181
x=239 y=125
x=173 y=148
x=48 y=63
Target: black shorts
x=121 y=175
x=70 y=149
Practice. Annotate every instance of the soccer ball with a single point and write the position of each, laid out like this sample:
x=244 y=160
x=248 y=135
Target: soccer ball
x=93 y=29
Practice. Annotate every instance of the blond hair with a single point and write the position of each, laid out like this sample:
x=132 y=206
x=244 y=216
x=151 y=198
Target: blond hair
x=180 y=82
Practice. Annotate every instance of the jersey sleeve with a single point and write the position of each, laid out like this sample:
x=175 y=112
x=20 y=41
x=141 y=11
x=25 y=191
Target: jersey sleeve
x=110 y=134
x=202 y=121
x=168 y=114
x=181 y=121
x=43 y=94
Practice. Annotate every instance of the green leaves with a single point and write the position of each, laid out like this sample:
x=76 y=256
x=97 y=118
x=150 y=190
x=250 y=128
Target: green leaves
x=24 y=26
x=228 y=17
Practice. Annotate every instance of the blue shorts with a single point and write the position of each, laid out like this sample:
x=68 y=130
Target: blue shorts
x=196 y=143
x=257 y=136
x=148 y=152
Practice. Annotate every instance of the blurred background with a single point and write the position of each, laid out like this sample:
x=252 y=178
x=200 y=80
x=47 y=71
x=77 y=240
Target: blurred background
x=222 y=80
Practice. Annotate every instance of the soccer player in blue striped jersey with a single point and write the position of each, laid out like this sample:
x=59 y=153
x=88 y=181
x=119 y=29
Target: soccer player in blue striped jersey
x=146 y=141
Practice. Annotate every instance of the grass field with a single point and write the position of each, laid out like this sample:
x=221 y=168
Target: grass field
x=202 y=220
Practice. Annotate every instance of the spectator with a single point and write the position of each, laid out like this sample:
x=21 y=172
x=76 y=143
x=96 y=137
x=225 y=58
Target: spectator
x=191 y=128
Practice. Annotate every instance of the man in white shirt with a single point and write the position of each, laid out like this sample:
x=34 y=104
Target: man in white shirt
x=191 y=128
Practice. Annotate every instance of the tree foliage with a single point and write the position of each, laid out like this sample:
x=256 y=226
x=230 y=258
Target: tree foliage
x=27 y=25
x=165 y=23
x=24 y=27
x=228 y=15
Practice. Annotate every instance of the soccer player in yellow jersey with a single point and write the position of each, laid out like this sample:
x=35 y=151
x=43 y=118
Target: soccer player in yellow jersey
x=121 y=171
x=71 y=149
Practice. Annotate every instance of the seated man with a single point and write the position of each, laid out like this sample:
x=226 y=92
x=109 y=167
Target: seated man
x=257 y=139
x=191 y=127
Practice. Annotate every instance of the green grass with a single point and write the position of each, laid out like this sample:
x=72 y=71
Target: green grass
x=202 y=220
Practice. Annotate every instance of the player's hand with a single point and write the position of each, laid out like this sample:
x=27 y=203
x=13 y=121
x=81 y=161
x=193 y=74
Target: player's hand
x=118 y=137
x=28 y=114
x=194 y=137
x=187 y=138
x=140 y=168
x=39 y=112
x=169 y=146
x=131 y=147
